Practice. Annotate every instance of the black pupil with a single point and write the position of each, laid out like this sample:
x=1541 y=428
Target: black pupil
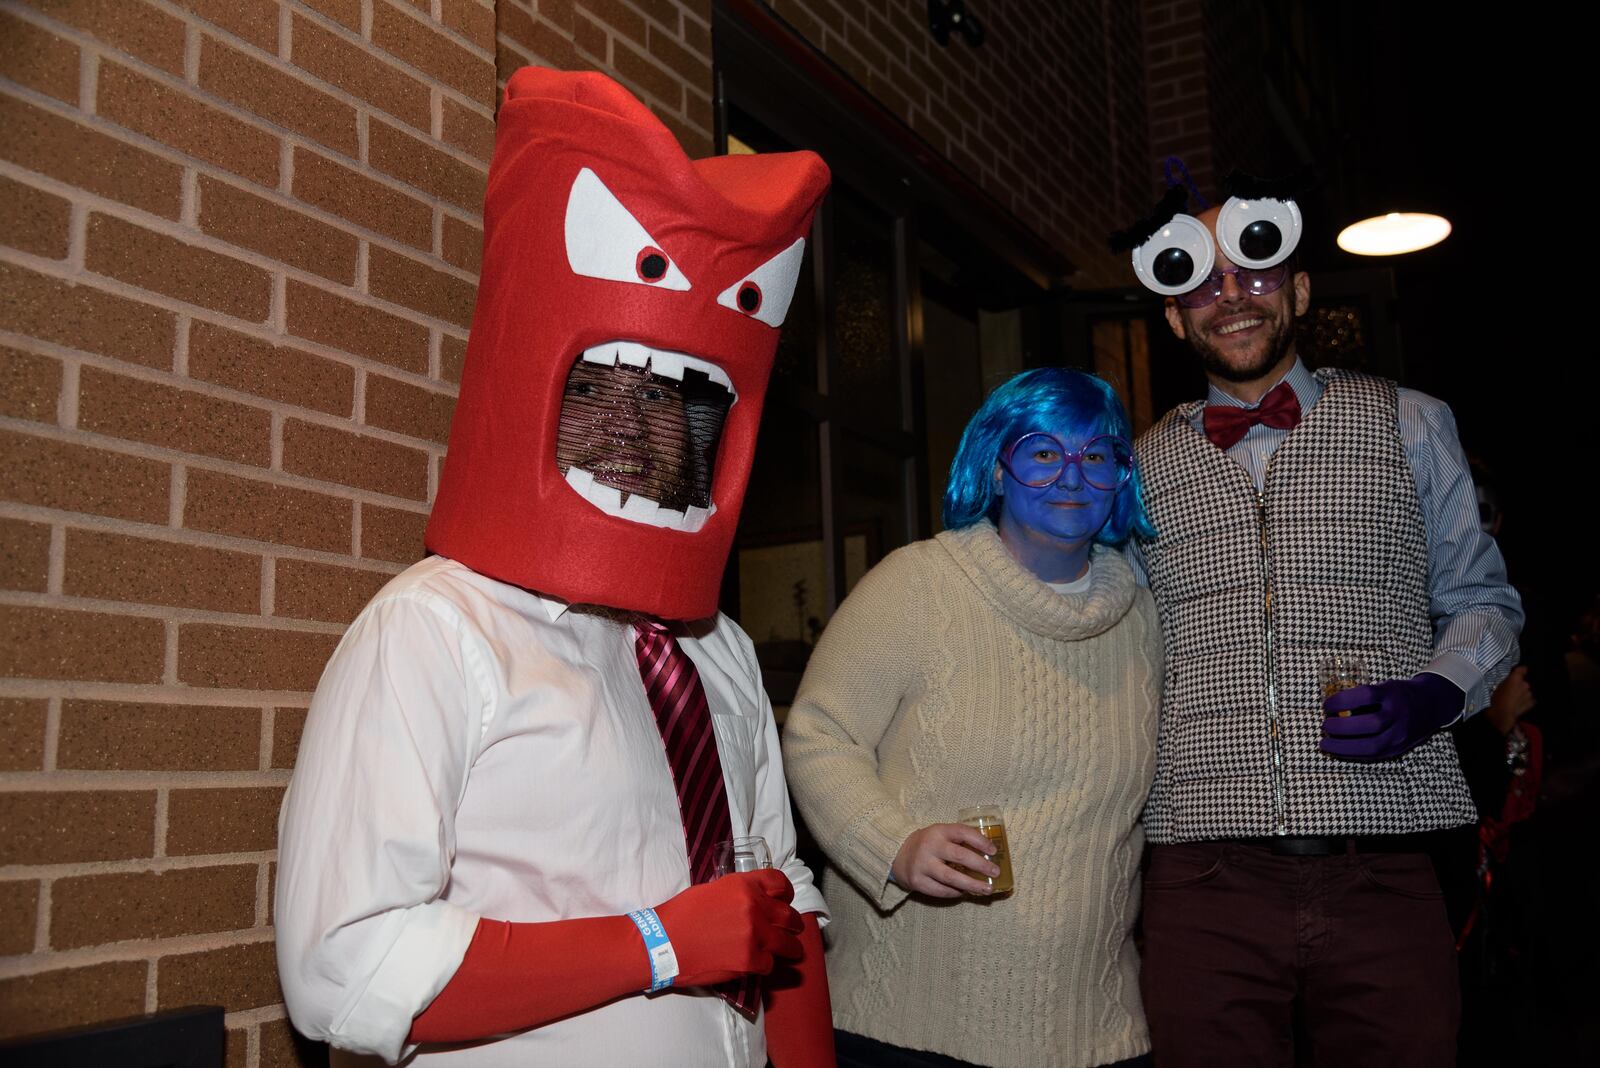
x=1173 y=267
x=1260 y=240
x=653 y=266
x=749 y=298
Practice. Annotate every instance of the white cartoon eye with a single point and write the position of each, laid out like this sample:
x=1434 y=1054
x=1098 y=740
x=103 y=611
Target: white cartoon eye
x=605 y=241
x=1178 y=257
x=1258 y=233
x=765 y=292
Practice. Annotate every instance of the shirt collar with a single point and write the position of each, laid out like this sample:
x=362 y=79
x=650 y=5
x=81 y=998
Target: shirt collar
x=554 y=607
x=1307 y=390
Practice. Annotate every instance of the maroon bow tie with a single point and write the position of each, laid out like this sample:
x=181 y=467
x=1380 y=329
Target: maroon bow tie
x=1226 y=423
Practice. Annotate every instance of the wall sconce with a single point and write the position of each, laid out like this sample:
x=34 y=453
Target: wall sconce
x=950 y=16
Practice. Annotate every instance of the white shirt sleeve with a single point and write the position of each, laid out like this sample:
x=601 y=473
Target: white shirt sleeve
x=367 y=835
x=773 y=818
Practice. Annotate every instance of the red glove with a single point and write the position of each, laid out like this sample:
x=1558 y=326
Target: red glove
x=520 y=975
x=799 y=1018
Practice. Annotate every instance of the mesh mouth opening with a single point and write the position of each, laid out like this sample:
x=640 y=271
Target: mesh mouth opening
x=643 y=433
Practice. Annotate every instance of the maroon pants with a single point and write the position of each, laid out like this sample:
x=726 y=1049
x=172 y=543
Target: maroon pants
x=1241 y=945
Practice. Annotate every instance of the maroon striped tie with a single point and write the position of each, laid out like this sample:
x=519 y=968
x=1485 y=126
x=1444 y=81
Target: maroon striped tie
x=679 y=701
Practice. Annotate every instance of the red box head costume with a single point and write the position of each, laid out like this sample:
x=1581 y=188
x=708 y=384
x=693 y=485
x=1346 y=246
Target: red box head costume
x=605 y=244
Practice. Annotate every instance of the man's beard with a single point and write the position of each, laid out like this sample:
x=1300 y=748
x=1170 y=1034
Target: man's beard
x=1277 y=347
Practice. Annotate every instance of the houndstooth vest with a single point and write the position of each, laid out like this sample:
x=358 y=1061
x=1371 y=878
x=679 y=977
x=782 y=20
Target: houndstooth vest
x=1254 y=592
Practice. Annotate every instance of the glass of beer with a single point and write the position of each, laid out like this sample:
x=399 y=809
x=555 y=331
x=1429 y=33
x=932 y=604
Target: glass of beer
x=991 y=823
x=742 y=854
x=1340 y=671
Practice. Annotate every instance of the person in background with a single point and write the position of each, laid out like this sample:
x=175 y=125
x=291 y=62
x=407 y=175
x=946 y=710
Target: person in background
x=1010 y=661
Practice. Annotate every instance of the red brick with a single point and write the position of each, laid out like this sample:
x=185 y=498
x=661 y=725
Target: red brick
x=463 y=245
x=345 y=12
x=697 y=35
x=325 y=592
x=175 y=118
x=33 y=220
x=236 y=1047
x=353 y=196
x=255 y=21
x=52 y=643
x=284 y=1047
x=127 y=25
x=362 y=462
x=287 y=726
x=76 y=478
x=320 y=316
x=635 y=69
x=264 y=226
x=282 y=515
x=249 y=658
x=70 y=152
x=693 y=69
x=453 y=356
x=408 y=409
x=472 y=20
x=278 y=96
x=19 y=915
x=591 y=37
x=82 y=317
x=162 y=264
x=420 y=44
x=117 y=567
x=92 y=910
x=541 y=40
x=236 y=977
x=468 y=130
x=621 y=18
x=24 y=555
x=419 y=164
x=22 y=727
x=354 y=69
x=392 y=534
x=73 y=997
x=126 y=736
x=35 y=57
x=277 y=372
x=30 y=385
x=223 y=820
x=419 y=287
x=70 y=826
x=160 y=414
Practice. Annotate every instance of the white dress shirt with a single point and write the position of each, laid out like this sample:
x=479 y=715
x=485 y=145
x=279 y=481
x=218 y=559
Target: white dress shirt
x=476 y=750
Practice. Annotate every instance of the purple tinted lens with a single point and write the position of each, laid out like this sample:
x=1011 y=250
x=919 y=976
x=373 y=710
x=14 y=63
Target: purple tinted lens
x=1252 y=283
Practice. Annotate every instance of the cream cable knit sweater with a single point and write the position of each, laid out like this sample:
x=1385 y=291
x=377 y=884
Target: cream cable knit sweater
x=952 y=677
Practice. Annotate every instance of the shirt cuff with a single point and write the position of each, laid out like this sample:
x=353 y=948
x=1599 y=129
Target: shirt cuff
x=423 y=957
x=1466 y=677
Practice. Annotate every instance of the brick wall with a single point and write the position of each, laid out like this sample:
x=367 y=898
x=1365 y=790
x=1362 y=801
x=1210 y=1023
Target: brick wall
x=1047 y=116
x=240 y=245
x=238 y=248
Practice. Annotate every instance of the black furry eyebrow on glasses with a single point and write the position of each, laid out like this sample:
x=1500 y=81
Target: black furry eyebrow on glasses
x=1288 y=187
x=1173 y=203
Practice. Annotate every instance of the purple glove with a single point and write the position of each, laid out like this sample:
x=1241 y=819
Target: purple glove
x=1389 y=719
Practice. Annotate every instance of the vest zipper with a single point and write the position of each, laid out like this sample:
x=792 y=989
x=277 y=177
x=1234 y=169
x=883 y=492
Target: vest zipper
x=1274 y=722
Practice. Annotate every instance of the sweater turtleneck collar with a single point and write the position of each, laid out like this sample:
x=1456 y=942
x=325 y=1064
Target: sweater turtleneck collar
x=1030 y=603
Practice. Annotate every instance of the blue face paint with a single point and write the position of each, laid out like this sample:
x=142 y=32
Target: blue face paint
x=1049 y=529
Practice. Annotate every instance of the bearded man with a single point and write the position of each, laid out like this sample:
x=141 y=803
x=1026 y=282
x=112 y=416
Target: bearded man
x=1303 y=520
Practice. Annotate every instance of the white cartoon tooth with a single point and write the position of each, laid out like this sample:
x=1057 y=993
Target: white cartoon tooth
x=641 y=509
x=605 y=355
x=580 y=480
x=694 y=518
x=607 y=498
x=632 y=353
x=667 y=364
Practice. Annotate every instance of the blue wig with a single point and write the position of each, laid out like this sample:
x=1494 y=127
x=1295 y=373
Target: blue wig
x=1055 y=400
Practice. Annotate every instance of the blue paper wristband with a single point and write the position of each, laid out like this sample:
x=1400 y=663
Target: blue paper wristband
x=663 y=960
